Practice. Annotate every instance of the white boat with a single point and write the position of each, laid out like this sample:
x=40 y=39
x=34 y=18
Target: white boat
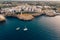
x=18 y=28
x=25 y=29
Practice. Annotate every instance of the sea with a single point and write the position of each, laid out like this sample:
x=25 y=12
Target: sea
x=40 y=28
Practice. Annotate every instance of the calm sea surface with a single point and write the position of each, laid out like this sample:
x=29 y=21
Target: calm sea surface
x=40 y=28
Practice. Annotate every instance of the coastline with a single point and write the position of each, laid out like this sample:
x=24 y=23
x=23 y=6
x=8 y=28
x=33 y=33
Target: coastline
x=27 y=16
x=30 y=16
x=17 y=11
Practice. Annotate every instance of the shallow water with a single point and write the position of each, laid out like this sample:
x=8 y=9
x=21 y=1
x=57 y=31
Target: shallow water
x=40 y=28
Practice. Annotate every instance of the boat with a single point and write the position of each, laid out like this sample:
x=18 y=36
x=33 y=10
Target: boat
x=18 y=28
x=25 y=29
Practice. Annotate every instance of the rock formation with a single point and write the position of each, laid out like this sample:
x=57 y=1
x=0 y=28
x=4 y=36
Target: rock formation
x=2 y=18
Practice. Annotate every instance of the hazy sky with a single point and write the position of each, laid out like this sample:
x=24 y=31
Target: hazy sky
x=29 y=0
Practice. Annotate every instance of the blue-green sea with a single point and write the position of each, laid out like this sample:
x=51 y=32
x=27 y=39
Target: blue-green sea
x=40 y=28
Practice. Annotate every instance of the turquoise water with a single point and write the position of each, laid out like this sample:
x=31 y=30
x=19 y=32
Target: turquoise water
x=40 y=28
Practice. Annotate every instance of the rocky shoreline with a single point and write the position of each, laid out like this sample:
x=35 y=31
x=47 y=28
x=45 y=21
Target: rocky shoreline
x=27 y=16
x=16 y=12
x=2 y=18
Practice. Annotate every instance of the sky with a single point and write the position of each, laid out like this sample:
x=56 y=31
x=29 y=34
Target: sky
x=29 y=0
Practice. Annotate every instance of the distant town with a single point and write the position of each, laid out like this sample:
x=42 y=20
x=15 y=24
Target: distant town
x=28 y=10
